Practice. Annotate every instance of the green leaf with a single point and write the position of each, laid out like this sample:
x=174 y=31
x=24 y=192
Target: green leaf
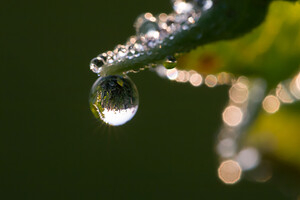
x=278 y=135
x=271 y=51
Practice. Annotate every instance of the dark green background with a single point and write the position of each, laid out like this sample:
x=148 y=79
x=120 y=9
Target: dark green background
x=51 y=146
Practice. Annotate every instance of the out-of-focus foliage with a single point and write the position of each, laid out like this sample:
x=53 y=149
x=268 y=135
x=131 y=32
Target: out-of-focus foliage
x=272 y=51
x=278 y=134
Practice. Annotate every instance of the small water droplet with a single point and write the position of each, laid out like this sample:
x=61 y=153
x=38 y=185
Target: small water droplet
x=204 y=4
x=138 y=47
x=143 y=25
x=152 y=34
x=185 y=27
x=180 y=7
x=151 y=43
x=114 y=99
x=120 y=52
x=170 y=62
x=96 y=64
x=110 y=59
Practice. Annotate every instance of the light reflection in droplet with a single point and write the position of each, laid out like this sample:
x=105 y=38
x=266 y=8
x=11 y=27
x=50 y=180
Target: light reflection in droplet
x=196 y=79
x=229 y=172
x=238 y=93
x=271 y=104
x=150 y=17
x=118 y=117
x=232 y=116
x=248 y=158
x=191 y=20
x=211 y=80
x=172 y=73
x=153 y=34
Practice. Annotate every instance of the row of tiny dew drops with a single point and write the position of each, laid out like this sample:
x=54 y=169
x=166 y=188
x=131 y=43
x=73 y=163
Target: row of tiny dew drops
x=151 y=32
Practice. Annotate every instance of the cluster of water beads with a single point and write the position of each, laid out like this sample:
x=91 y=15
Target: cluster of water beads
x=153 y=32
x=114 y=99
x=116 y=103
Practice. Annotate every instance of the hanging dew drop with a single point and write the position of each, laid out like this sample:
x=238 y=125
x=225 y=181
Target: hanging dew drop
x=114 y=99
x=170 y=62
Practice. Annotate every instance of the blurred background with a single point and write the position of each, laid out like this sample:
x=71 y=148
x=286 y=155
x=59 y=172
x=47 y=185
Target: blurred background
x=52 y=147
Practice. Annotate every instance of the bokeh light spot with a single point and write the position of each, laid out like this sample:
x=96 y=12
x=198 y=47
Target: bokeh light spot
x=238 y=93
x=248 y=158
x=232 y=116
x=172 y=74
x=196 y=79
x=271 y=104
x=283 y=94
x=230 y=172
x=211 y=80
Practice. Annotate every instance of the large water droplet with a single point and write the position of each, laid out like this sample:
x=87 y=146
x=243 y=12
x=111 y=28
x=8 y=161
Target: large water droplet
x=114 y=99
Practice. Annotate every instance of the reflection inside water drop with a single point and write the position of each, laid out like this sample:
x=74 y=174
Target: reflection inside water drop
x=114 y=99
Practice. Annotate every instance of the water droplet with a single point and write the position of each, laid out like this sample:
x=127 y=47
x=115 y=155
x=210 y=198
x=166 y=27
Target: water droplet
x=185 y=27
x=182 y=7
x=103 y=56
x=152 y=34
x=114 y=99
x=151 y=43
x=120 y=52
x=170 y=62
x=110 y=59
x=204 y=4
x=96 y=64
x=131 y=52
x=143 y=25
x=138 y=47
